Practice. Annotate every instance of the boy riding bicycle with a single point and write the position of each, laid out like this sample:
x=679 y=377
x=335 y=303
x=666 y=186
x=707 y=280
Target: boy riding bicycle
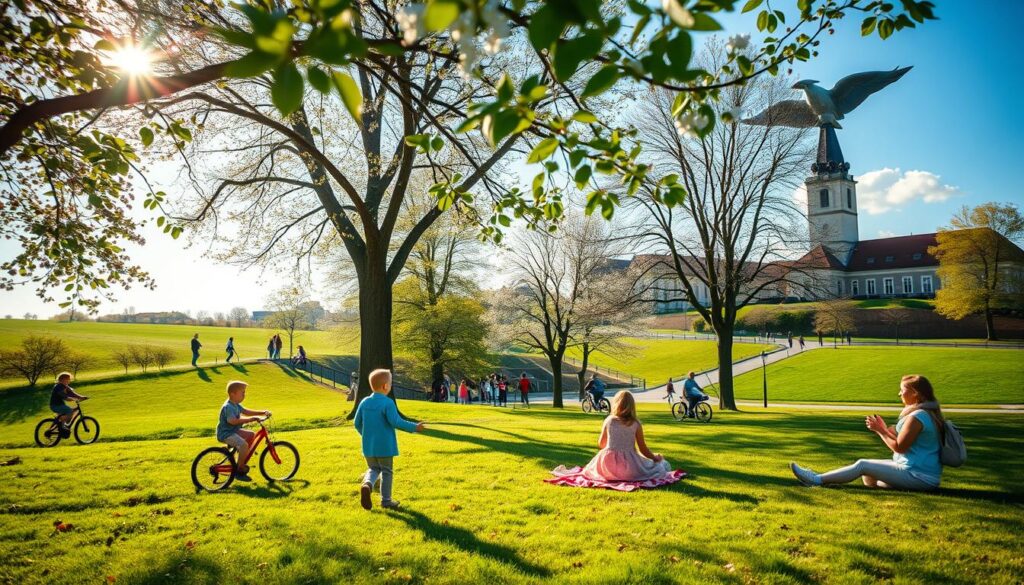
x=61 y=393
x=596 y=388
x=693 y=393
x=229 y=426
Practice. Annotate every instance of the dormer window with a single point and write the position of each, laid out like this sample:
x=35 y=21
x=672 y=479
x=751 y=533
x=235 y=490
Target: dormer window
x=917 y=256
x=889 y=258
x=871 y=260
x=823 y=194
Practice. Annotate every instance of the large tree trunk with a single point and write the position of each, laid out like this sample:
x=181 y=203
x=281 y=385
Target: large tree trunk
x=556 y=382
x=582 y=374
x=374 y=329
x=725 y=386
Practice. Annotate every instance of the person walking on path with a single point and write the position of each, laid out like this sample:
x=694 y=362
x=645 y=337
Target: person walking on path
x=821 y=339
x=915 y=442
x=277 y=346
x=270 y=348
x=670 y=391
x=801 y=343
x=789 y=338
x=195 y=349
x=849 y=339
x=230 y=349
x=524 y=390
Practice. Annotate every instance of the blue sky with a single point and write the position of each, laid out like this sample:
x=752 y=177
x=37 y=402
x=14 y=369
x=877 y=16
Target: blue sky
x=950 y=133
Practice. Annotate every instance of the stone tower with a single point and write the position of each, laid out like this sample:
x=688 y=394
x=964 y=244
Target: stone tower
x=832 y=199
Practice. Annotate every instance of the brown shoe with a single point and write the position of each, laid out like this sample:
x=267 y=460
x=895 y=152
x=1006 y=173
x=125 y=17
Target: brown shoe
x=364 y=496
x=392 y=505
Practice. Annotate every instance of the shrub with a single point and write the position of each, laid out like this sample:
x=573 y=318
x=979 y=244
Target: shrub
x=699 y=325
x=37 y=356
x=162 y=356
x=123 y=357
x=76 y=360
x=142 y=356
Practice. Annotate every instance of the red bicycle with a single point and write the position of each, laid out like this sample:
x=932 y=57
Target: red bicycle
x=86 y=429
x=214 y=468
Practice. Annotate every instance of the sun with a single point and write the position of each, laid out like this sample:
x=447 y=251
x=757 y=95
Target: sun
x=132 y=60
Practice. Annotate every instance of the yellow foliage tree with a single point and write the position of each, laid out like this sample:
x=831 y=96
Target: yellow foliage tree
x=980 y=267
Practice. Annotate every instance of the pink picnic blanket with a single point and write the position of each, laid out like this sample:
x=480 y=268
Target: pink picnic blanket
x=574 y=477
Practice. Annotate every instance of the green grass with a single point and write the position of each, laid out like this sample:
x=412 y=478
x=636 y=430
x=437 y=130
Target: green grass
x=476 y=509
x=871 y=374
x=100 y=339
x=658 y=359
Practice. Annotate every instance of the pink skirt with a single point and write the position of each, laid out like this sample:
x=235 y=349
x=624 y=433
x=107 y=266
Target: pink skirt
x=618 y=470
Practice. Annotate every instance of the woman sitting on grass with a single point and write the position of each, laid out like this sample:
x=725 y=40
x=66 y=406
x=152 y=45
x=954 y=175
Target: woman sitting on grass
x=915 y=442
x=618 y=465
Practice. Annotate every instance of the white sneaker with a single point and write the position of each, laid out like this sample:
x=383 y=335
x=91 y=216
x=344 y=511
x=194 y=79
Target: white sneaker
x=806 y=476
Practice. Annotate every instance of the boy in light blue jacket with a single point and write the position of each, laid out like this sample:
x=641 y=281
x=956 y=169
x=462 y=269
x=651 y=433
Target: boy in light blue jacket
x=376 y=420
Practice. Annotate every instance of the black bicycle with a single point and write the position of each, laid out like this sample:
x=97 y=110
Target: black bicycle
x=50 y=431
x=702 y=411
x=589 y=405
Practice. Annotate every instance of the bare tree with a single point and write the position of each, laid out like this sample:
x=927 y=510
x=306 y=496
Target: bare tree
x=835 y=316
x=76 y=360
x=897 y=318
x=240 y=315
x=718 y=209
x=36 y=356
x=123 y=357
x=142 y=356
x=162 y=356
x=557 y=278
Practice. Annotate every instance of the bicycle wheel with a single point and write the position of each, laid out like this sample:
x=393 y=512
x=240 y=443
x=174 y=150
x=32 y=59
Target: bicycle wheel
x=703 y=411
x=289 y=462
x=605 y=405
x=587 y=405
x=48 y=432
x=87 y=430
x=679 y=411
x=213 y=469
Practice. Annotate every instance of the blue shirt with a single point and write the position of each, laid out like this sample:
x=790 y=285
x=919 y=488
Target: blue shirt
x=229 y=411
x=690 y=388
x=376 y=420
x=922 y=459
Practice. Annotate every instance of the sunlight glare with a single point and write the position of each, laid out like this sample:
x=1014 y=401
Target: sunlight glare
x=132 y=60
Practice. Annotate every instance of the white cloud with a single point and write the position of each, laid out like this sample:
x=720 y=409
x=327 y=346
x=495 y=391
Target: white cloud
x=886 y=234
x=888 y=189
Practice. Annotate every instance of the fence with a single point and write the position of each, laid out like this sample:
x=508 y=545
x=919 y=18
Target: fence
x=332 y=377
x=635 y=382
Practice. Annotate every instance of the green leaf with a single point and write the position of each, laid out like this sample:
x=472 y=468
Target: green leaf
x=104 y=45
x=543 y=150
x=885 y=28
x=602 y=81
x=585 y=117
x=762 y=20
x=703 y=22
x=545 y=27
x=678 y=14
x=440 y=13
x=583 y=175
x=146 y=134
x=750 y=5
x=570 y=54
x=251 y=65
x=286 y=92
x=319 y=79
x=350 y=95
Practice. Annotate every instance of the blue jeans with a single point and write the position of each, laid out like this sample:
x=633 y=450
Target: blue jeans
x=195 y=356
x=380 y=468
x=694 y=401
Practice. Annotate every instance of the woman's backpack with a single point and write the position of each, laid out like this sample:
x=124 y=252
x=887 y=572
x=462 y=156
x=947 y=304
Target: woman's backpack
x=953 y=451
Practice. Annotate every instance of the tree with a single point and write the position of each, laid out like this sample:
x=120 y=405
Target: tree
x=557 y=276
x=717 y=206
x=240 y=315
x=162 y=356
x=37 y=356
x=400 y=71
x=76 y=360
x=759 y=318
x=123 y=357
x=835 y=316
x=289 y=314
x=980 y=267
x=142 y=356
x=897 y=318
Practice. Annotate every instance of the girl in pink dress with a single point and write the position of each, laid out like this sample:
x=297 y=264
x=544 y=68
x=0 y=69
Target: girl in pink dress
x=618 y=465
x=463 y=392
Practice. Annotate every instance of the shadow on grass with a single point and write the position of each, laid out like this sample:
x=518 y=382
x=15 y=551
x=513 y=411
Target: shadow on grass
x=543 y=451
x=273 y=490
x=468 y=542
x=289 y=371
x=22 y=403
x=203 y=375
x=239 y=368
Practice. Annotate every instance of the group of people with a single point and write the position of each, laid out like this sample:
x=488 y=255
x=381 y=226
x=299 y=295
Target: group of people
x=492 y=389
x=273 y=350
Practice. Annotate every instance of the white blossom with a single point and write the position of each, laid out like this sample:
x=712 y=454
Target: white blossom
x=410 y=19
x=737 y=43
x=690 y=123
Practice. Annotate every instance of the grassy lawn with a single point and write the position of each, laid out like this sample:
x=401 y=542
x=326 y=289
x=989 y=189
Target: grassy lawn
x=476 y=509
x=100 y=339
x=658 y=359
x=869 y=374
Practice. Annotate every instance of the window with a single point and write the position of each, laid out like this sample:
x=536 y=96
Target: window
x=839 y=288
x=824 y=197
x=926 y=284
x=908 y=285
x=849 y=198
x=887 y=286
x=869 y=284
x=871 y=260
x=854 y=287
x=917 y=255
x=889 y=258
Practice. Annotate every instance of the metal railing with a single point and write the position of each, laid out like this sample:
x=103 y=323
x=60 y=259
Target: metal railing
x=634 y=381
x=332 y=377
